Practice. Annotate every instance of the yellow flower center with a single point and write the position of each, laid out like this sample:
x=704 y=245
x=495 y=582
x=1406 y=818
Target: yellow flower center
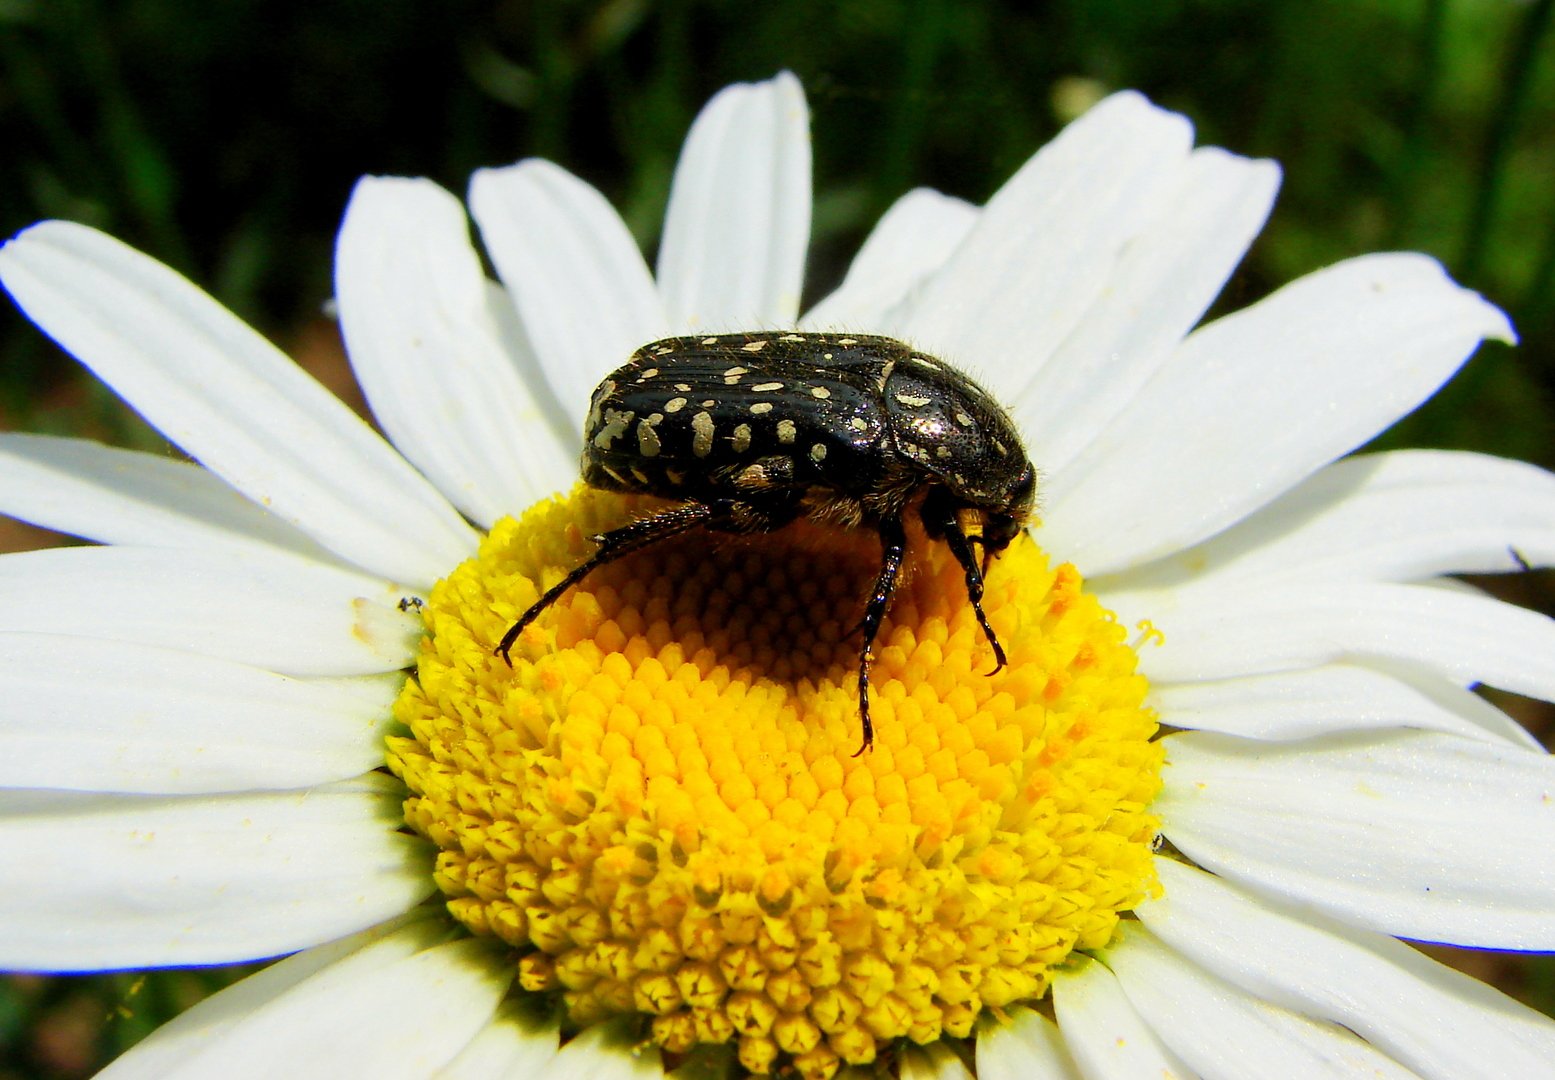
x=659 y=808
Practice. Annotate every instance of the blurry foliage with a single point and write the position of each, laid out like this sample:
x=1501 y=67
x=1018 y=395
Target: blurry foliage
x=225 y=138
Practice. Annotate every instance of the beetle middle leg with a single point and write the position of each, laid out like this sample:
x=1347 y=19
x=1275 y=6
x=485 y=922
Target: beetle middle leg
x=893 y=548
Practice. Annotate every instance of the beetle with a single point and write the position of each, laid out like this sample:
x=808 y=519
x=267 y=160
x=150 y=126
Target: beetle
x=752 y=431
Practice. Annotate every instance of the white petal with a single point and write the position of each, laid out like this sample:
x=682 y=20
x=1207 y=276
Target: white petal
x=416 y=312
x=1399 y=516
x=1222 y=1032
x=262 y=608
x=1045 y=247
x=933 y=1062
x=1411 y=833
x=1102 y=1030
x=233 y=401
x=911 y=241
x=1025 y=1046
x=1345 y=696
x=609 y=1051
x=1423 y=1014
x=1252 y=403
x=1223 y=632
x=510 y=1045
x=1164 y=280
x=127 y=497
x=99 y=715
x=397 y=1016
x=97 y=882
x=208 y=1021
x=738 y=225
x=399 y=1006
x=575 y=274
x=1456 y=585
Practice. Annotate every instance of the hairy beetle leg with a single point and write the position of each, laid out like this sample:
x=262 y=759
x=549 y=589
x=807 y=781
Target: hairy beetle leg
x=893 y=547
x=613 y=545
x=945 y=527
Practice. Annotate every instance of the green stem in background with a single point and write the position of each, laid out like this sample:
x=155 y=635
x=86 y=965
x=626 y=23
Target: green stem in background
x=922 y=40
x=1515 y=86
x=555 y=74
x=1542 y=283
x=1410 y=164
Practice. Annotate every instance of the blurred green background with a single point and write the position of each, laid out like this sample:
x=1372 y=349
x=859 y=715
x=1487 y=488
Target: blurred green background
x=224 y=139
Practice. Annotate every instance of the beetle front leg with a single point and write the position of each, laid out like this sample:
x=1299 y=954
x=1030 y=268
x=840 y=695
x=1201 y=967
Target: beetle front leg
x=940 y=521
x=893 y=548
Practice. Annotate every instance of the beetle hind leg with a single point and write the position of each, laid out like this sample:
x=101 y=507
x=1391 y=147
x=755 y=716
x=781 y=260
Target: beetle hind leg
x=613 y=545
x=750 y=515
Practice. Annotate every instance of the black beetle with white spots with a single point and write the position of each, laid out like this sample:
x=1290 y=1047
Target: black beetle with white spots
x=753 y=431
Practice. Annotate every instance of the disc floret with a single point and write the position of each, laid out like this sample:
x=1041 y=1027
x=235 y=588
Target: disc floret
x=659 y=808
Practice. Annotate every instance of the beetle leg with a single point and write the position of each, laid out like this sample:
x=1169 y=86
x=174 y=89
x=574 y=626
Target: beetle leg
x=945 y=526
x=728 y=515
x=762 y=512
x=613 y=545
x=893 y=547
x=987 y=559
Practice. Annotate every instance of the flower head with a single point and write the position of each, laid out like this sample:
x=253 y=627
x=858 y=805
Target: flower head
x=649 y=836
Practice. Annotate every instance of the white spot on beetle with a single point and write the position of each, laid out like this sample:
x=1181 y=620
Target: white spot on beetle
x=701 y=434
x=858 y=423
x=912 y=401
x=753 y=346
x=741 y=438
x=674 y=404
x=761 y=408
x=650 y=373
x=709 y=341
x=820 y=392
x=942 y=452
x=767 y=387
x=736 y=372
x=792 y=337
x=684 y=388
x=845 y=342
x=818 y=452
x=616 y=422
x=647 y=439
x=787 y=431
x=1000 y=448
x=963 y=419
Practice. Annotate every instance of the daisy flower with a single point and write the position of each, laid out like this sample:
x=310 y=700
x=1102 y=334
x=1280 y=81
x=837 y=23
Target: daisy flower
x=1235 y=757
